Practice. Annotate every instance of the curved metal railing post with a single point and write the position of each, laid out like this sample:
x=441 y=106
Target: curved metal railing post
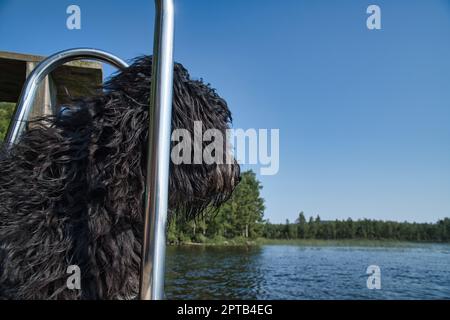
x=43 y=69
x=157 y=184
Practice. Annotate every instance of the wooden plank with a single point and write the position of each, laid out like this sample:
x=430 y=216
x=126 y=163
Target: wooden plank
x=36 y=58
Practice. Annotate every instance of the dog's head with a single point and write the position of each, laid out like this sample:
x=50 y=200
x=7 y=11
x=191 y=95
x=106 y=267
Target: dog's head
x=195 y=182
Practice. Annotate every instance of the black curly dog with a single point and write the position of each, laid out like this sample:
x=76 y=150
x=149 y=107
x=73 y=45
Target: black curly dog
x=72 y=190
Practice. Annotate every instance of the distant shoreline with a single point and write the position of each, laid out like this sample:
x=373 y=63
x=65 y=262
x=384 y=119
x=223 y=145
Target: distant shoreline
x=309 y=243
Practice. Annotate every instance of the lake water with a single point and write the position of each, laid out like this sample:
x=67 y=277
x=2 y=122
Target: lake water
x=299 y=272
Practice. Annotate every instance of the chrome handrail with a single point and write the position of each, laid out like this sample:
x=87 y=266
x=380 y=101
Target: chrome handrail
x=43 y=69
x=157 y=183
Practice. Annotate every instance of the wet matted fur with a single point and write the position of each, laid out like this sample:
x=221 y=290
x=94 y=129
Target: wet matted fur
x=72 y=190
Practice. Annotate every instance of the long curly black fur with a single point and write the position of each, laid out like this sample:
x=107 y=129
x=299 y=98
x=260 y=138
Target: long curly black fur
x=72 y=190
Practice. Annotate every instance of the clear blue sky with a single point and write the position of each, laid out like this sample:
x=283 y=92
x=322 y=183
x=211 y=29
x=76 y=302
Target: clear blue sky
x=364 y=116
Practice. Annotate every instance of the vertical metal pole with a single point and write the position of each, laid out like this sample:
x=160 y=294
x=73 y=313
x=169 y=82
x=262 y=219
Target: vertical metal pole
x=157 y=183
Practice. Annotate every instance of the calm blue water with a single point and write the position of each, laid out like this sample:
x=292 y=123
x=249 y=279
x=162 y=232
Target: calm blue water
x=299 y=272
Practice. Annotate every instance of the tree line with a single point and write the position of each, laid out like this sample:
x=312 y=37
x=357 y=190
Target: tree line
x=242 y=216
x=365 y=229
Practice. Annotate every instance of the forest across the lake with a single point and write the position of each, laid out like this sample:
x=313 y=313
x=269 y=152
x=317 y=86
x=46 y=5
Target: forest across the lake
x=241 y=219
